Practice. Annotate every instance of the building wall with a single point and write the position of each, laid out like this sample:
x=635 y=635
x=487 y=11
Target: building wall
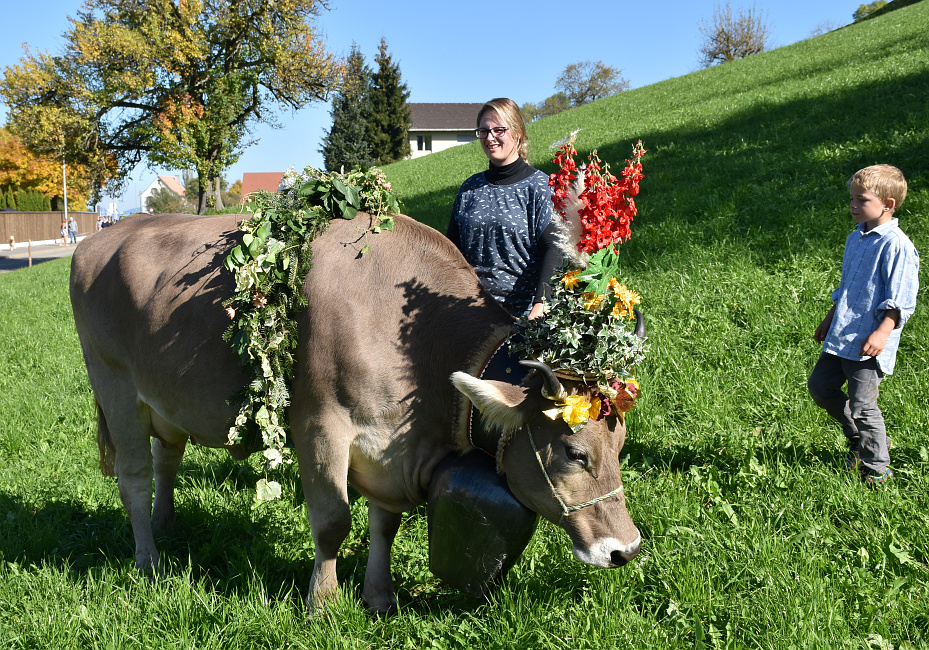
x=440 y=140
x=147 y=192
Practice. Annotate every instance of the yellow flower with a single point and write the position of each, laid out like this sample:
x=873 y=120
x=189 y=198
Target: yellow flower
x=625 y=300
x=592 y=300
x=570 y=279
x=577 y=410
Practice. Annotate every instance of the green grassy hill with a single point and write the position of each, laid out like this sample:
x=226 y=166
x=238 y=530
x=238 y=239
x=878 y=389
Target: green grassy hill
x=754 y=536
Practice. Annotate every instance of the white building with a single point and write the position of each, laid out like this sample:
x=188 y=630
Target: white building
x=172 y=183
x=440 y=126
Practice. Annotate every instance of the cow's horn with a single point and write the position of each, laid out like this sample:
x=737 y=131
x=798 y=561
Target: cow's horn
x=639 y=324
x=552 y=388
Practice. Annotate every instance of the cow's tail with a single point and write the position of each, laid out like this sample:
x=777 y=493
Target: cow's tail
x=105 y=445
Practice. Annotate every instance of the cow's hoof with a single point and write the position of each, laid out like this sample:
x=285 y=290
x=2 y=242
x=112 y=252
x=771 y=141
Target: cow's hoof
x=383 y=610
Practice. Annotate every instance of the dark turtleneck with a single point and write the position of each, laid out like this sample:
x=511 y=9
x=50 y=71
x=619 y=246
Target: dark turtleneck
x=516 y=171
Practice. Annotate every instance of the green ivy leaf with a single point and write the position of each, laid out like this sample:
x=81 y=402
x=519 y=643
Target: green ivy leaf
x=268 y=490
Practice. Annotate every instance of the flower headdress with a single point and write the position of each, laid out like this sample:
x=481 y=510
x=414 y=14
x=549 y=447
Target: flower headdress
x=584 y=334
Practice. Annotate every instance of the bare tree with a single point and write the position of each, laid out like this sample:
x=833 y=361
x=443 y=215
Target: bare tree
x=731 y=37
x=586 y=82
x=824 y=27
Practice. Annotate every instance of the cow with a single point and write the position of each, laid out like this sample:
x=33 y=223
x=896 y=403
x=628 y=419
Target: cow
x=390 y=346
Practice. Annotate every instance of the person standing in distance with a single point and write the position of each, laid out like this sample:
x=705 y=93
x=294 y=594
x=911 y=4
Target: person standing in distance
x=502 y=217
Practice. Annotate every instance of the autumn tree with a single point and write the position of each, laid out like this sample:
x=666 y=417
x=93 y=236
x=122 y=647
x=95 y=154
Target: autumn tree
x=864 y=11
x=179 y=84
x=390 y=118
x=20 y=169
x=551 y=106
x=730 y=37
x=586 y=82
x=346 y=144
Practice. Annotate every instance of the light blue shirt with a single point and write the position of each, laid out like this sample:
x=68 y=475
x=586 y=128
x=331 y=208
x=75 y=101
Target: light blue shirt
x=880 y=271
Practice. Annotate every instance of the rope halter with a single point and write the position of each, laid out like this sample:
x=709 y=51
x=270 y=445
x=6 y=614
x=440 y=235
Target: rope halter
x=565 y=509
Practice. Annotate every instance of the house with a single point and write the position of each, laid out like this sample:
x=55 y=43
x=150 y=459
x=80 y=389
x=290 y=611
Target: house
x=254 y=181
x=172 y=183
x=439 y=126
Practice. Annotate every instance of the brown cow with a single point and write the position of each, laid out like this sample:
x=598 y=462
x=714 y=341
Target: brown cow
x=372 y=401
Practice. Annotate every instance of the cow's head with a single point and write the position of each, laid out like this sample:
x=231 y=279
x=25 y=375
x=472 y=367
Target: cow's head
x=571 y=478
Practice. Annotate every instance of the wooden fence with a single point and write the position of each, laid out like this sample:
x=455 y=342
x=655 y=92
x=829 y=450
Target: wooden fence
x=42 y=226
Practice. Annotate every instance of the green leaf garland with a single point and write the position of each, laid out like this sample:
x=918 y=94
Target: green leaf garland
x=269 y=268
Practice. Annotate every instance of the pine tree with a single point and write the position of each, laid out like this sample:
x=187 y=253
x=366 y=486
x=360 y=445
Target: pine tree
x=2 y=200
x=346 y=145
x=390 y=115
x=10 y=199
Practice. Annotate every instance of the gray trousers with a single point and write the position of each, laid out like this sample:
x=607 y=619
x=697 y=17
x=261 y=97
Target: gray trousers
x=857 y=412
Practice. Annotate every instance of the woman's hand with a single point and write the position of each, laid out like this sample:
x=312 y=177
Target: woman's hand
x=536 y=311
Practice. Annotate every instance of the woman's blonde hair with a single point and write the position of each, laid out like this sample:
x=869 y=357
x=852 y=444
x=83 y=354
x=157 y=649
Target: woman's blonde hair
x=509 y=113
x=884 y=181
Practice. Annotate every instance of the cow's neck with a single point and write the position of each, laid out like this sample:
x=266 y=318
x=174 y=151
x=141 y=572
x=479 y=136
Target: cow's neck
x=500 y=365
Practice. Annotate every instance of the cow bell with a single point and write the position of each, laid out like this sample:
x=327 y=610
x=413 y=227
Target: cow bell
x=477 y=528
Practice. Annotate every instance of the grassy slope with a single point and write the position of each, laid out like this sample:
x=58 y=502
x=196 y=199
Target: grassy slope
x=753 y=535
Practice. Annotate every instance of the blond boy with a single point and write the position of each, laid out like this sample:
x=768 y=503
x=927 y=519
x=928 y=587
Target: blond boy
x=861 y=333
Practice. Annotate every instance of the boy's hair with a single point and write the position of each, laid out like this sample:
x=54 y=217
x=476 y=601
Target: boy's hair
x=884 y=181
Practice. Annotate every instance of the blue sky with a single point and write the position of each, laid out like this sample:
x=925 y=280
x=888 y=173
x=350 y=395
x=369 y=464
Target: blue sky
x=453 y=51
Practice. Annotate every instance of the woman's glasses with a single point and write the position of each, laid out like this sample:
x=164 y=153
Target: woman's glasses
x=497 y=131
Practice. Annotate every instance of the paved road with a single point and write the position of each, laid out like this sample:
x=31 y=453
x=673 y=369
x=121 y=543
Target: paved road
x=18 y=258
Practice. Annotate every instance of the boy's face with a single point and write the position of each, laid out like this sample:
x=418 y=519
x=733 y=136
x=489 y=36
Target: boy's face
x=867 y=208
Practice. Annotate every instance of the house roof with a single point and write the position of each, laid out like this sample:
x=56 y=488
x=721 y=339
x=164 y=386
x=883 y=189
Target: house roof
x=254 y=181
x=443 y=117
x=172 y=184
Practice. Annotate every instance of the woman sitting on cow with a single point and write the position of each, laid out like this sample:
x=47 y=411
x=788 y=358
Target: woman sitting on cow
x=502 y=218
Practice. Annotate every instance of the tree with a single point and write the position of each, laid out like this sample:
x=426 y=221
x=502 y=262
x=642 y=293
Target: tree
x=390 y=119
x=346 y=145
x=864 y=11
x=824 y=27
x=177 y=83
x=20 y=169
x=587 y=82
x=551 y=106
x=164 y=201
x=733 y=37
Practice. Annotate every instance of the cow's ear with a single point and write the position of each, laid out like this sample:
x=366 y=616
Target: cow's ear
x=498 y=402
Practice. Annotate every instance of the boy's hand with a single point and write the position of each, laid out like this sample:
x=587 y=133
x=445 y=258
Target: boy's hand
x=823 y=330
x=874 y=344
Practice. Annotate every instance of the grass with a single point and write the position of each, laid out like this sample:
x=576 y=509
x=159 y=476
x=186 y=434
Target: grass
x=754 y=537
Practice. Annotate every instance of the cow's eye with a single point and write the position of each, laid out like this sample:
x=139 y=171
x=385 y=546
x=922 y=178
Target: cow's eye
x=578 y=456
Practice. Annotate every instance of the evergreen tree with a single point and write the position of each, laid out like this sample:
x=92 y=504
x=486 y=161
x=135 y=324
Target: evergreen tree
x=10 y=199
x=347 y=145
x=2 y=199
x=390 y=115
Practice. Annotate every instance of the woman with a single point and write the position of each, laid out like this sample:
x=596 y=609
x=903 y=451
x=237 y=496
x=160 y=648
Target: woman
x=502 y=217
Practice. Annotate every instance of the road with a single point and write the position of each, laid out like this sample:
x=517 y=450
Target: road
x=18 y=258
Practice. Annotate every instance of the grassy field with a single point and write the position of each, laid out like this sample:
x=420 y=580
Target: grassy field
x=753 y=534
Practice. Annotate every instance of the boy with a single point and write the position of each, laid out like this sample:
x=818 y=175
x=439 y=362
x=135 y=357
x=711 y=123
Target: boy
x=860 y=334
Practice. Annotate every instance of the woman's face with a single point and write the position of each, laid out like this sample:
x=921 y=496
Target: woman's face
x=500 y=149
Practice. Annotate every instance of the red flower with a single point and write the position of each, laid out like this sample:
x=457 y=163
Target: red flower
x=607 y=205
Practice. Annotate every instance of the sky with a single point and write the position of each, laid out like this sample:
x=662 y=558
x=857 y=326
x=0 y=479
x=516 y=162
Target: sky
x=451 y=51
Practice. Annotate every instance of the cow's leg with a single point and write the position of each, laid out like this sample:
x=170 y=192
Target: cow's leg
x=128 y=430
x=166 y=459
x=134 y=475
x=323 y=461
x=378 y=592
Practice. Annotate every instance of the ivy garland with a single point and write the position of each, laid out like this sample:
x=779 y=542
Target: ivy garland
x=269 y=269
